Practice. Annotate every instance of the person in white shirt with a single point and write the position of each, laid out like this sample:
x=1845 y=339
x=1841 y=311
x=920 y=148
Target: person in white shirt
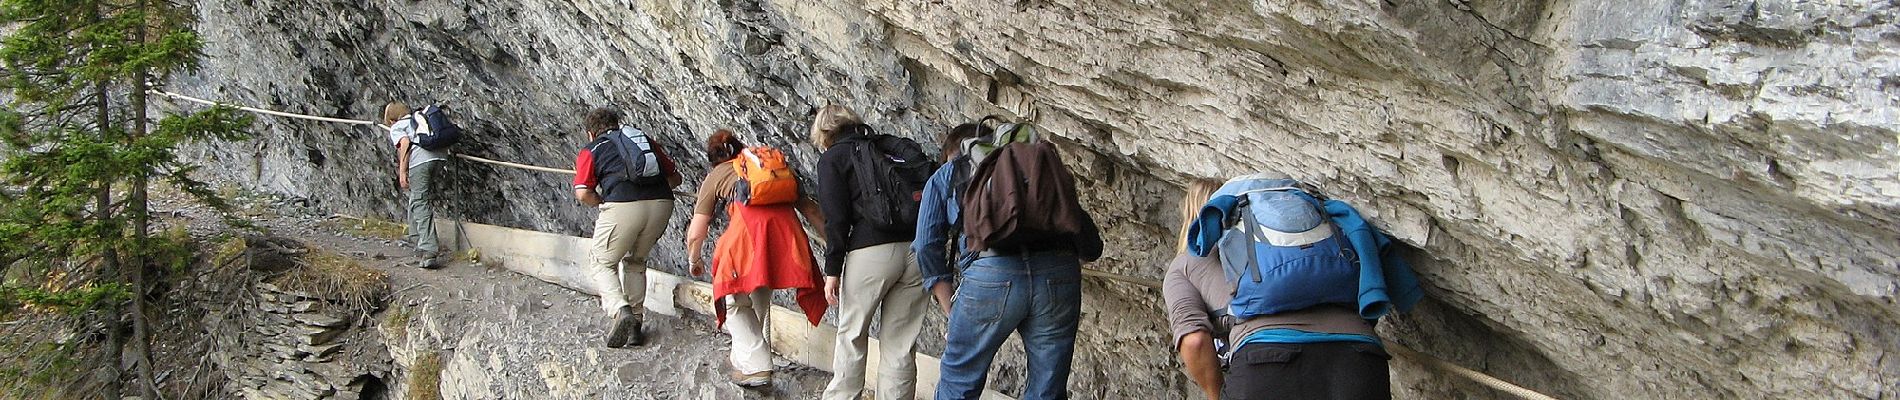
x=415 y=167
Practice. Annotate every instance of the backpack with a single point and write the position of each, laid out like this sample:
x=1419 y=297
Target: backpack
x=638 y=162
x=1020 y=194
x=764 y=177
x=434 y=131
x=975 y=149
x=888 y=175
x=1281 y=250
x=1004 y=133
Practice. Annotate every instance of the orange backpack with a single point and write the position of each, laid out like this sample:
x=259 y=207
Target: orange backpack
x=764 y=177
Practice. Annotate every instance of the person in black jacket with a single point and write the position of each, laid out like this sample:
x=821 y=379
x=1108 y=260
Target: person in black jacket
x=869 y=272
x=634 y=208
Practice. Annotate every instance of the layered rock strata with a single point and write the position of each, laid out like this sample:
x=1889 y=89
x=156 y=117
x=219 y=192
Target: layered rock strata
x=300 y=345
x=1631 y=198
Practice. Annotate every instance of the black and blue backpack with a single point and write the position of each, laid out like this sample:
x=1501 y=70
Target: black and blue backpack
x=1280 y=249
x=434 y=130
x=639 y=164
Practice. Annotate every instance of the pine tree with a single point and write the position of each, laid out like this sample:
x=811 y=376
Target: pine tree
x=80 y=152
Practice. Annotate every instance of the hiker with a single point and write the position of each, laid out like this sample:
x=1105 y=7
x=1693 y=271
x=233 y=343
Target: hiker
x=1300 y=328
x=869 y=272
x=1023 y=278
x=764 y=247
x=415 y=174
x=624 y=172
x=938 y=240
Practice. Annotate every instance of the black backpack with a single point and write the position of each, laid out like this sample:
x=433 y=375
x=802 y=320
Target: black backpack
x=633 y=149
x=434 y=131
x=888 y=175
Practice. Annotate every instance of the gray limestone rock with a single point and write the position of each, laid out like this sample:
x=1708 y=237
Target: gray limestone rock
x=1610 y=199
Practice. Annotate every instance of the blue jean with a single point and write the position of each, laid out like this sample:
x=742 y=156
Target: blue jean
x=1038 y=297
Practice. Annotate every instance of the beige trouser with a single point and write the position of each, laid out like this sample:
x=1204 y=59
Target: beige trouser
x=746 y=316
x=881 y=281
x=623 y=235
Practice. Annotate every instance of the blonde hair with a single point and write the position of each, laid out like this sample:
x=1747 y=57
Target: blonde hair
x=1197 y=193
x=824 y=125
x=395 y=111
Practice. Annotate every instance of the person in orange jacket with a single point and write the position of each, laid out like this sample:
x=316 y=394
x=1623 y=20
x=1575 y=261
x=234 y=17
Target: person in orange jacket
x=763 y=248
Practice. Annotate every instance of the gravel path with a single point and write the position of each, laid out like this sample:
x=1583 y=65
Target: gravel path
x=502 y=335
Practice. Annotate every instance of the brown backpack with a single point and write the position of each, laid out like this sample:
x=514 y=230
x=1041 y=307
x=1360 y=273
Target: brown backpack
x=1021 y=195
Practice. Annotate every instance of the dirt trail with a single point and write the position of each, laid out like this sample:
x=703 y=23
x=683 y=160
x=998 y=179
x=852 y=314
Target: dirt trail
x=504 y=335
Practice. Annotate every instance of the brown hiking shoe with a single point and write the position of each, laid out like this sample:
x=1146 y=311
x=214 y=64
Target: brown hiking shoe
x=625 y=329
x=751 y=380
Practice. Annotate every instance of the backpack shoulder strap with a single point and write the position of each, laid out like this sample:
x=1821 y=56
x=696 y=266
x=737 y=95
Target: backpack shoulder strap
x=1249 y=226
x=960 y=169
x=624 y=146
x=419 y=122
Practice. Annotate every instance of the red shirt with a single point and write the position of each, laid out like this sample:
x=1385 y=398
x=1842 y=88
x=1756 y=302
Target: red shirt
x=587 y=174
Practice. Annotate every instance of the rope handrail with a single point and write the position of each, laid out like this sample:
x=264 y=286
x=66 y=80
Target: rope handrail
x=348 y=121
x=515 y=165
x=1467 y=373
x=260 y=110
x=1399 y=349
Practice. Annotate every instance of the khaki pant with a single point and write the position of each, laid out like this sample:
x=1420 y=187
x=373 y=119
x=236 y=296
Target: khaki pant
x=880 y=281
x=421 y=208
x=747 y=314
x=623 y=235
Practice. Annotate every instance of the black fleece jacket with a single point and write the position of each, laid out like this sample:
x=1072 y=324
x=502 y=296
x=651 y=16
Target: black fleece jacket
x=844 y=231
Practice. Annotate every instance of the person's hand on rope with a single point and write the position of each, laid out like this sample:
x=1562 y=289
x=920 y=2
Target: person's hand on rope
x=699 y=266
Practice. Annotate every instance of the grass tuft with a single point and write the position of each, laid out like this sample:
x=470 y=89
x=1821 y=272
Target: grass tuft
x=425 y=377
x=397 y=318
x=333 y=276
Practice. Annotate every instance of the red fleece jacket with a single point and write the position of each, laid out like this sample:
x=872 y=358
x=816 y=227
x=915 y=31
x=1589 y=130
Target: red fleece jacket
x=766 y=247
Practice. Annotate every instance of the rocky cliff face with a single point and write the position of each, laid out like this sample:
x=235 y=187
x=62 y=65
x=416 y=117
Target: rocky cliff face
x=1631 y=198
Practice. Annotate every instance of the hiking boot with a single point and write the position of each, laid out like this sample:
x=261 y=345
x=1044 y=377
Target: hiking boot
x=635 y=337
x=751 y=380
x=426 y=261
x=625 y=329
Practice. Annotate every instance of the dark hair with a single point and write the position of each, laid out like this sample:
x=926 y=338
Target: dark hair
x=723 y=146
x=953 y=141
x=600 y=120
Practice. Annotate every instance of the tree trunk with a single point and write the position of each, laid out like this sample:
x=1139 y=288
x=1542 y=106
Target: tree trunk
x=109 y=266
x=141 y=231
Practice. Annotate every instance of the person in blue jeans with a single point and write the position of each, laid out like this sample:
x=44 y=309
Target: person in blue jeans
x=1034 y=290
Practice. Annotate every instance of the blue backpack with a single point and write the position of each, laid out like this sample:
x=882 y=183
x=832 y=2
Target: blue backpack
x=1281 y=250
x=434 y=131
